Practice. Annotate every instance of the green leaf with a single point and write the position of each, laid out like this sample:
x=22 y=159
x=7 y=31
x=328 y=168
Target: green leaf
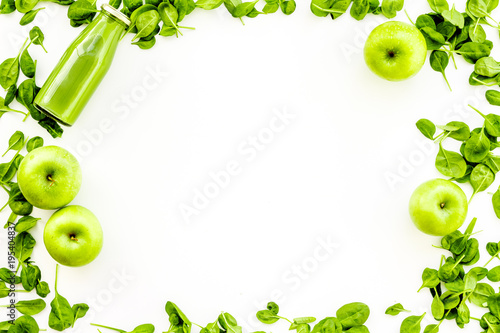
x=439 y=61
x=52 y=127
x=433 y=39
x=430 y=278
x=477 y=8
x=25 y=223
x=411 y=324
x=31 y=307
x=359 y=9
x=42 y=289
x=493 y=97
x=288 y=7
x=391 y=7
x=494 y=274
x=267 y=317
x=438 y=6
x=243 y=8
x=209 y=4
x=396 y=309
x=437 y=308
x=481 y=178
x=34 y=143
x=24 y=324
x=353 y=314
x=481 y=294
x=29 y=16
x=494 y=305
x=9 y=72
x=425 y=20
x=328 y=325
x=16 y=142
x=177 y=318
x=30 y=275
x=81 y=10
x=24 y=6
x=37 y=37
x=427 y=128
x=24 y=244
x=477 y=147
x=450 y=164
x=472 y=52
x=454 y=17
x=28 y=66
x=477 y=34
x=146 y=23
x=7 y=6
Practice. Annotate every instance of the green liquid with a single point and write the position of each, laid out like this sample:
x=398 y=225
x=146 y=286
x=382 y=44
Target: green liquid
x=80 y=70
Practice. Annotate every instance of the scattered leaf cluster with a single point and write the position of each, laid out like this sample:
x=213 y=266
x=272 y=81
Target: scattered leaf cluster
x=25 y=92
x=475 y=163
x=459 y=283
x=348 y=318
x=359 y=8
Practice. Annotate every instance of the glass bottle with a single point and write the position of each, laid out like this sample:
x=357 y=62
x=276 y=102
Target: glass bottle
x=82 y=67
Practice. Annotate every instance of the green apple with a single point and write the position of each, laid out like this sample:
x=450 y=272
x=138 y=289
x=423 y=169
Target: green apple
x=395 y=50
x=438 y=207
x=49 y=177
x=73 y=236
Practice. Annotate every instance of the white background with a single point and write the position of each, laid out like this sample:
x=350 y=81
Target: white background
x=322 y=179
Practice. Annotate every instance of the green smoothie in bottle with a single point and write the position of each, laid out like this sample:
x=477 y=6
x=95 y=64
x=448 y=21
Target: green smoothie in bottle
x=82 y=67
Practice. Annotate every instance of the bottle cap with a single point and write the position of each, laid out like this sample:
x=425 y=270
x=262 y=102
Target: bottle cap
x=116 y=14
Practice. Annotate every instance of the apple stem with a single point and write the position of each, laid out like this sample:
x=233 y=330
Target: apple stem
x=51 y=180
x=442 y=205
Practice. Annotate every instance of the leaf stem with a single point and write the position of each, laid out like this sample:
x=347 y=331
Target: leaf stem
x=109 y=328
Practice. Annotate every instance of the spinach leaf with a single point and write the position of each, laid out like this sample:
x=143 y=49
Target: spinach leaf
x=439 y=61
x=481 y=178
x=30 y=275
x=433 y=39
x=493 y=97
x=438 y=6
x=31 y=307
x=430 y=278
x=328 y=325
x=396 y=308
x=472 y=52
x=359 y=9
x=16 y=142
x=29 y=16
x=454 y=17
x=391 y=7
x=411 y=324
x=481 y=294
x=487 y=66
x=211 y=4
x=477 y=147
x=450 y=164
x=494 y=274
x=25 y=223
x=9 y=72
x=24 y=244
x=427 y=128
x=37 y=37
x=437 y=308
x=178 y=321
x=24 y=6
x=353 y=314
